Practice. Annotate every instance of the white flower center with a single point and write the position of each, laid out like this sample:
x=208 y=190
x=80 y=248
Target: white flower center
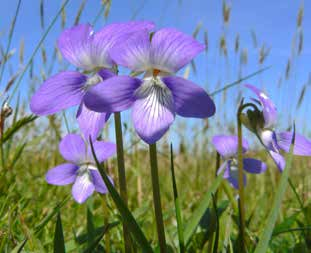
x=155 y=91
x=92 y=80
x=267 y=137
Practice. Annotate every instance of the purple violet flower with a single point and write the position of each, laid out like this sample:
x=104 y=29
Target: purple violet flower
x=274 y=141
x=227 y=147
x=89 y=51
x=81 y=168
x=159 y=95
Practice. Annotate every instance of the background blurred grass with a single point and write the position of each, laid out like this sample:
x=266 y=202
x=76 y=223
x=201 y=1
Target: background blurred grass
x=26 y=200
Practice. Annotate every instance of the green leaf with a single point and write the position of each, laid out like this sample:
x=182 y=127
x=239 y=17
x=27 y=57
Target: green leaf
x=52 y=214
x=126 y=215
x=19 y=246
x=59 y=242
x=17 y=126
x=194 y=220
x=287 y=223
x=90 y=226
x=266 y=234
x=177 y=207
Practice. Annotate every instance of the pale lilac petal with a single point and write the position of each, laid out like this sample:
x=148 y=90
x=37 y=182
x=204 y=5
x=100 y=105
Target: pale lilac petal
x=76 y=45
x=112 y=95
x=227 y=145
x=190 y=99
x=222 y=167
x=254 y=166
x=302 y=145
x=153 y=111
x=278 y=159
x=73 y=148
x=98 y=182
x=269 y=109
x=113 y=35
x=90 y=122
x=232 y=175
x=103 y=151
x=62 y=174
x=83 y=187
x=58 y=92
x=171 y=49
x=133 y=53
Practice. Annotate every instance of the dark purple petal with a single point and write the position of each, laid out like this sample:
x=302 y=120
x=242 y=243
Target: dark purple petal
x=269 y=109
x=190 y=99
x=133 y=53
x=254 y=166
x=153 y=111
x=227 y=145
x=73 y=148
x=278 y=159
x=90 y=122
x=58 y=92
x=62 y=174
x=232 y=175
x=106 y=73
x=83 y=187
x=112 y=95
x=302 y=145
x=98 y=182
x=103 y=151
x=171 y=49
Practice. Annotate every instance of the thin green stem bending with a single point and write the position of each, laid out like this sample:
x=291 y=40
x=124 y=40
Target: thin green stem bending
x=121 y=173
x=157 y=197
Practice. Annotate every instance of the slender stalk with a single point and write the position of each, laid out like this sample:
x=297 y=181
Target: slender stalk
x=121 y=173
x=241 y=183
x=241 y=176
x=10 y=39
x=180 y=226
x=18 y=82
x=157 y=197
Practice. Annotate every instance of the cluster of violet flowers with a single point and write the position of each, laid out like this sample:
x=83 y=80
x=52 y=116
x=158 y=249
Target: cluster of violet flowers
x=154 y=99
x=97 y=91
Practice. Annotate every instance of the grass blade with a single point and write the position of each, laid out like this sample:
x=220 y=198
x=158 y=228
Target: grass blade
x=16 y=126
x=59 y=242
x=194 y=220
x=126 y=215
x=230 y=85
x=29 y=63
x=177 y=206
x=268 y=229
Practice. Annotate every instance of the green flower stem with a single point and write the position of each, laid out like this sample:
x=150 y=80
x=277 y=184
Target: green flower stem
x=241 y=184
x=157 y=196
x=121 y=175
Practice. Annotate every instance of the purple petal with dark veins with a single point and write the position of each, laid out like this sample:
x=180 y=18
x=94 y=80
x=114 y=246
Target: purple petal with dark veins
x=62 y=174
x=302 y=145
x=57 y=93
x=73 y=148
x=171 y=49
x=227 y=145
x=112 y=95
x=190 y=99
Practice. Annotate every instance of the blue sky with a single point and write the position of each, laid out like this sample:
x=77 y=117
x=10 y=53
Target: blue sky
x=274 y=23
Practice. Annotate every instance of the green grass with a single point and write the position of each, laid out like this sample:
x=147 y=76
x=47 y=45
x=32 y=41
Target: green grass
x=37 y=217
